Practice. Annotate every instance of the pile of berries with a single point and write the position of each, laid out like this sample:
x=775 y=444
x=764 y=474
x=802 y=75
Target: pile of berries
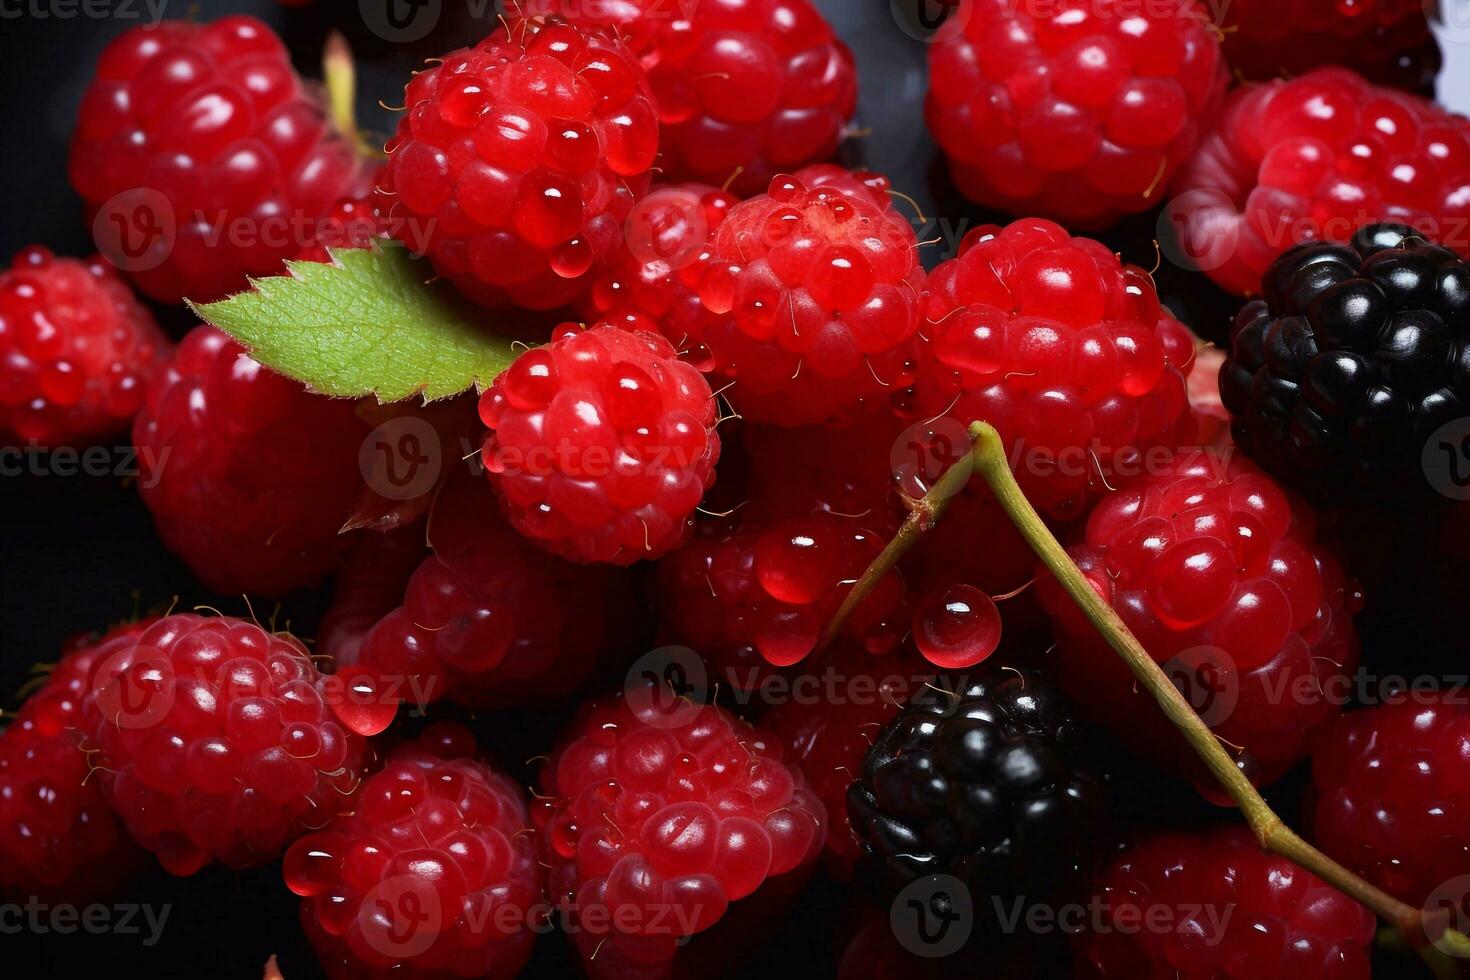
x=706 y=592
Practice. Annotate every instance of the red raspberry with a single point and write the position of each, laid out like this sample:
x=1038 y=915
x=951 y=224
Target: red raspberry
x=217 y=741
x=77 y=350
x=745 y=88
x=819 y=290
x=353 y=222
x=1316 y=158
x=432 y=876
x=249 y=476
x=1389 y=41
x=526 y=153
x=847 y=470
x=757 y=586
x=1227 y=909
x=211 y=126
x=1078 y=111
x=59 y=839
x=601 y=444
x=1216 y=572
x=490 y=620
x=1390 y=795
x=655 y=824
x=1063 y=349
x=827 y=737
x=369 y=586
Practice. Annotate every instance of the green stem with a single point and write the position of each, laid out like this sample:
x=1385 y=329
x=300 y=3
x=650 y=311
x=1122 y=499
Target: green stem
x=340 y=72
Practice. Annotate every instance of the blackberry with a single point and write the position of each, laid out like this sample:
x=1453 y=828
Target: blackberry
x=985 y=781
x=1353 y=359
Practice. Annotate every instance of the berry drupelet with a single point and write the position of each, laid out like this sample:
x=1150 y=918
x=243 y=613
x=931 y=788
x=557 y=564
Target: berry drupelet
x=217 y=741
x=1357 y=354
x=745 y=89
x=432 y=876
x=249 y=476
x=1076 y=111
x=205 y=132
x=1217 y=573
x=517 y=161
x=601 y=444
x=77 y=350
x=1390 y=794
x=986 y=782
x=1219 y=907
x=662 y=825
x=59 y=839
x=1062 y=348
x=1316 y=158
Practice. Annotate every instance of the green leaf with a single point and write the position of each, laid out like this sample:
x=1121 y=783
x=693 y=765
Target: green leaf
x=369 y=324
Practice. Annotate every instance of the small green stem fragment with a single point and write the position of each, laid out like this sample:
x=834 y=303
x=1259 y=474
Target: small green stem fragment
x=340 y=72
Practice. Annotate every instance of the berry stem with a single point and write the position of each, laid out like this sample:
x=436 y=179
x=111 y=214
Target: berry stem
x=340 y=72
x=924 y=513
x=988 y=458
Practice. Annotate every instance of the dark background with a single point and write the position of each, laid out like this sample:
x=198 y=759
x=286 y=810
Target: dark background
x=79 y=553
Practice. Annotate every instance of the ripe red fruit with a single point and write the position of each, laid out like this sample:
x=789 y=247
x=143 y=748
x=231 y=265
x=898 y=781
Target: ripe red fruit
x=1389 y=41
x=1316 y=158
x=353 y=222
x=250 y=478
x=744 y=88
x=1064 y=350
x=433 y=874
x=1075 y=111
x=1216 y=571
x=759 y=587
x=211 y=140
x=59 y=839
x=217 y=741
x=489 y=620
x=657 y=825
x=1235 y=911
x=1389 y=794
x=77 y=350
x=369 y=586
x=601 y=444
x=519 y=158
x=819 y=289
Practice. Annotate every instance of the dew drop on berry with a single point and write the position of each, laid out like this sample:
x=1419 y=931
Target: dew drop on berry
x=796 y=564
x=571 y=259
x=310 y=867
x=956 y=627
x=364 y=704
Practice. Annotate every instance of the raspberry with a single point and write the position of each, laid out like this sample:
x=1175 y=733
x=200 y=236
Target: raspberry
x=756 y=587
x=1215 y=571
x=1316 y=158
x=353 y=222
x=656 y=825
x=1227 y=909
x=217 y=741
x=369 y=586
x=1357 y=355
x=59 y=839
x=828 y=738
x=432 y=876
x=1388 y=796
x=212 y=125
x=818 y=288
x=77 y=350
x=1389 y=41
x=985 y=782
x=1063 y=349
x=601 y=444
x=489 y=620
x=745 y=88
x=526 y=153
x=249 y=476
x=845 y=470
x=1076 y=111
